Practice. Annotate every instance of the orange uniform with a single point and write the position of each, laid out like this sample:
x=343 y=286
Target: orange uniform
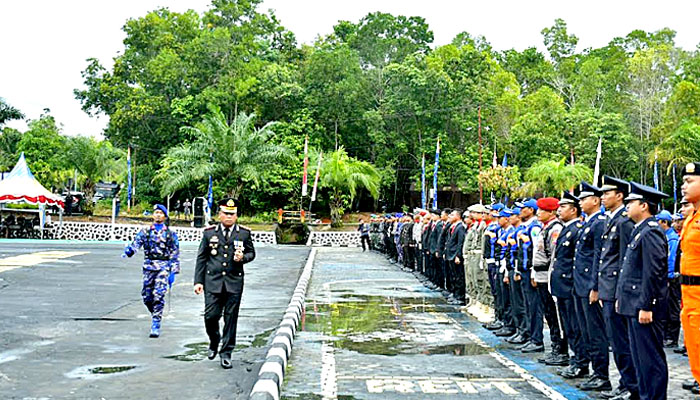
x=690 y=267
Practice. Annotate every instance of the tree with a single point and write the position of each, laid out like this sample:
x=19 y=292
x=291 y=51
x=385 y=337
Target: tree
x=499 y=181
x=94 y=161
x=555 y=177
x=235 y=155
x=8 y=113
x=45 y=150
x=9 y=139
x=344 y=176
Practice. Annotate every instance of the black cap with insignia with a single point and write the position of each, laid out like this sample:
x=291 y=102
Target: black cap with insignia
x=692 y=168
x=611 y=183
x=645 y=193
x=588 y=190
x=228 y=205
x=568 y=198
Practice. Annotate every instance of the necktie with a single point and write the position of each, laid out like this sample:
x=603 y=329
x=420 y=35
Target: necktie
x=226 y=233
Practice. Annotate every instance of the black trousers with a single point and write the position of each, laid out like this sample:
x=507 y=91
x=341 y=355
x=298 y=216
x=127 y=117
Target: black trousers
x=544 y=307
x=647 y=348
x=505 y=299
x=459 y=284
x=592 y=326
x=618 y=334
x=227 y=303
x=673 y=324
x=567 y=315
x=363 y=240
x=517 y=304
x=495 y=291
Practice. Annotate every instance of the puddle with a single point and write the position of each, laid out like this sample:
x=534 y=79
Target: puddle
x=382 y=325
x=111 y=370
x=461 y=349
x=198 y=351
x=100 y=371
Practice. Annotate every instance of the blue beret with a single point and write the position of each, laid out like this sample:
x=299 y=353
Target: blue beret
x=161 y=208
x=497 y=207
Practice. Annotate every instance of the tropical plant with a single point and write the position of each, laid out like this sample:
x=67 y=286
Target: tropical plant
x=499 y=181
x=236 y=155
x=554 y=177
x=344 y=175
x=94 y=161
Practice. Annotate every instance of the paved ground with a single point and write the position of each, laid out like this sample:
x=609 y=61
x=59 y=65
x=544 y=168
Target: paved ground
x=373 y=331
x=73 y=325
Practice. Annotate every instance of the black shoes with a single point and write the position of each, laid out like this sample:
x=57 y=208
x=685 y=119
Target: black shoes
x=211 y=353
x=688 y=384
x=504 y=332
x=226 y=361
x=595 y=383
x=557 y=359
x=493 y=325
x=573 y=372
x=518 y=339
x=669 y=344
x=533 y=348
x=614 y=393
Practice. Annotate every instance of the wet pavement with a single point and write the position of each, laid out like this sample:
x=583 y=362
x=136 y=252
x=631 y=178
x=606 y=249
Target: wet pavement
x=373 y=331
x=74 y=327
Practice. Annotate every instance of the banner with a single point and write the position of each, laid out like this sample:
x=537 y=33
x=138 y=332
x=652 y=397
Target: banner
x=599 y=153
x=128 y=177
x=423 y=200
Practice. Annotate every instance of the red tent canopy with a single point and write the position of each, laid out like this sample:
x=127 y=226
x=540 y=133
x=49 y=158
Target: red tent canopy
x=21 y=187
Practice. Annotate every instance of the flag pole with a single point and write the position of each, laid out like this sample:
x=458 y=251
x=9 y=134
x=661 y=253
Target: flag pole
x=481 y=186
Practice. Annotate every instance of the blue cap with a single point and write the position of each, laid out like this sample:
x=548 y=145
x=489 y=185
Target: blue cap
x=161 y=208
x=505 y=212
x=530 y=203
x=664 y=216
x=515 y=210
x=398 y=215
x=497 y=206
x=677 y=216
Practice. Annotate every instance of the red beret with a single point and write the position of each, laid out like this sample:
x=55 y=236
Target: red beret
x=548 y=203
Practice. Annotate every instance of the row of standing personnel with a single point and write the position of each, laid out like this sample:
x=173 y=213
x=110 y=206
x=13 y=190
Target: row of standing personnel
x=599 y=278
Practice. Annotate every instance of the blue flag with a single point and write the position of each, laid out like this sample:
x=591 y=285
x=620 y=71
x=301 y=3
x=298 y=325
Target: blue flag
x=505 y=160
x=435 y=173
x=675 y=188
x=128 y=176
x=210 y=193
x=423 y=199
x=656 y=173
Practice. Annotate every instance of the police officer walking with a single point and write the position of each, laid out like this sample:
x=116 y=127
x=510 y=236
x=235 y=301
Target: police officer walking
x=160 y=264
x=224 y=249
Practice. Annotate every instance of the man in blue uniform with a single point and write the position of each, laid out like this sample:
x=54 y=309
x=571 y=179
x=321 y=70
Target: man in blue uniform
x=500 y=250
x=672 y=328
x=642 y=291
x=616 y=236
x=517 y=303
x=489 y=253
x=588 y=311
x=160 y=264
x=523 y=264
x=223 y=251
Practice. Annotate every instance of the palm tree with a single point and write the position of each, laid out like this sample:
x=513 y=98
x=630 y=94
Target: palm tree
x=344 y=175
x=94 y=161
x=235 y=154
x=554 y=177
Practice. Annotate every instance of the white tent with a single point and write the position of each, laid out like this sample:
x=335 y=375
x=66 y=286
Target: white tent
x=21 y=187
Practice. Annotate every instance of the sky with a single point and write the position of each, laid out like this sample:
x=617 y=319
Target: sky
x=45 y=43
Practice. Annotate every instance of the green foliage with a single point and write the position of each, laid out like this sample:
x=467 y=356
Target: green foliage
x=555 y=177
x=94 y=161
x=501 y=181
x=8 y=113
x=44 y=149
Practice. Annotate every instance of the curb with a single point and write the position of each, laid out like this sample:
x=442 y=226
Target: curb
x=269 y=382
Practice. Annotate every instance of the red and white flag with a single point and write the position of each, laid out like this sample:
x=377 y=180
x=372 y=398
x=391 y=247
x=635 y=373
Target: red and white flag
x=318 y=173
x=305 y=185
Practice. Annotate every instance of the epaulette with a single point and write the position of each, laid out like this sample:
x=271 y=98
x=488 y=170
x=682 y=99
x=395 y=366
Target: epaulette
x=602 y=216
x=210 y=227
x=579 y=225
x=246 y=228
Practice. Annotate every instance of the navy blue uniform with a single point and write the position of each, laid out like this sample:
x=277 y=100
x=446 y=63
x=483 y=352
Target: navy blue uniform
x=453 y=251
x=436 y=255
x=562 y=284
x=590 y=315
x=615 y=237
x=524 y=256
x=643 y=286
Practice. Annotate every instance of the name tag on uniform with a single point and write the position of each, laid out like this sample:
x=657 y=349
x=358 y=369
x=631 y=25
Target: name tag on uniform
x=238 y=243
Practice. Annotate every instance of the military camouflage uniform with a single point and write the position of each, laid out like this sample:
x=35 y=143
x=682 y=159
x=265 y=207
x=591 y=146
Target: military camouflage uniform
x=161 y=258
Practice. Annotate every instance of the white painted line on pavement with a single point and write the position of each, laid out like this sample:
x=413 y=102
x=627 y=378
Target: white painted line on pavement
x=531 y=379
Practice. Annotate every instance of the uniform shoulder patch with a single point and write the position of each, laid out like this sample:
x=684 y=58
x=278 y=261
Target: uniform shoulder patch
x=579 y=225
x=602 y=217
x=246 y=228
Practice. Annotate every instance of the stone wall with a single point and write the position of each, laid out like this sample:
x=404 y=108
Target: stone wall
x=126 y=232
x=334 y=239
